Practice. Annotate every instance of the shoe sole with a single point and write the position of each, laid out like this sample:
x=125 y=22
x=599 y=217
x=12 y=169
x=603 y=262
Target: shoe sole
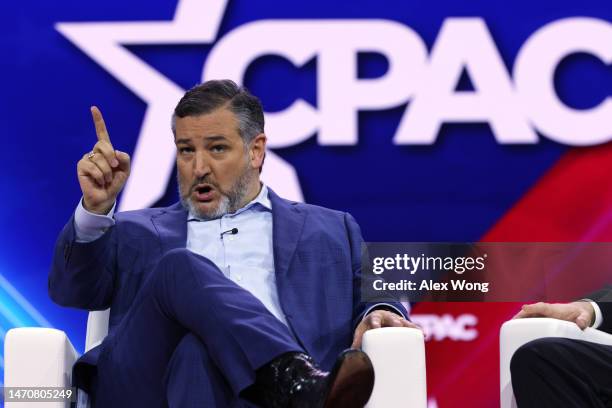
x=351 y=381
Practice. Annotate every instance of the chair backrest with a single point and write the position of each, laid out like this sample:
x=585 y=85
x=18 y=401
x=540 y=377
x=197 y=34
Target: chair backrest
x=97 y=328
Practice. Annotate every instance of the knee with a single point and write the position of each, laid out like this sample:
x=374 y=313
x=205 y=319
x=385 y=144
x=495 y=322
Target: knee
x=521 y=360
x=182 y=257
x=180 y=263
x=177 y=256
x=538 y=353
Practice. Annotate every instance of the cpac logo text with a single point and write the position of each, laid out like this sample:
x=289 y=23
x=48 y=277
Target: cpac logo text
x=515 y=106
x=438 y=328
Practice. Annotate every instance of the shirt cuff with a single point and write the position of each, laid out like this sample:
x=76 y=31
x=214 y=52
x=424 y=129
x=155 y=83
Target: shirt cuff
x=89 y=226
x=598 y=315
x=387 y=305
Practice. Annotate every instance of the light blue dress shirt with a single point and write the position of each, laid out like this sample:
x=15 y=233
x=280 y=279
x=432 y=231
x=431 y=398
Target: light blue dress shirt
x=245 y=257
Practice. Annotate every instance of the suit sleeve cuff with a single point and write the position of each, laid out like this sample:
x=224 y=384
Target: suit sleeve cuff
x=385 y=306
x=89 y=226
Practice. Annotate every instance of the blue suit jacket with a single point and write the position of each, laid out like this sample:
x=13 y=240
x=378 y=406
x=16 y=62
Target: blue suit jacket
x=317 y=259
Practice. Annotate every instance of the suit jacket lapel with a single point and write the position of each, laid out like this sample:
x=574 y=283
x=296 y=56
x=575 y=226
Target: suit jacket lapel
x=171 y=225
x=287 y=223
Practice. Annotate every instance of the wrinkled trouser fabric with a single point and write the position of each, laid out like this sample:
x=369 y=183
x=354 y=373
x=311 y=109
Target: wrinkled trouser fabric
x=559 y=372
x=188 y=308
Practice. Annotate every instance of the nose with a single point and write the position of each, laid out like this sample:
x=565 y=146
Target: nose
x=201 y=165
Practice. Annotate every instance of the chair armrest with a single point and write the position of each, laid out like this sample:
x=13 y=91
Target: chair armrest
x=515 y=333
x=398 y=357
x=97 y=328
x=38 y=357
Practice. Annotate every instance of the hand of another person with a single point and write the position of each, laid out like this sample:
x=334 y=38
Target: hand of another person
x=378 y=319
x=581 y=313
x=102 y=172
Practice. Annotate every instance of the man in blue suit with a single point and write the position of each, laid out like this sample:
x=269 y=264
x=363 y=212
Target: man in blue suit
x=234 y=295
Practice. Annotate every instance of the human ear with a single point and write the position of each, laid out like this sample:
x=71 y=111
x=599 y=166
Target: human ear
x=257 y=150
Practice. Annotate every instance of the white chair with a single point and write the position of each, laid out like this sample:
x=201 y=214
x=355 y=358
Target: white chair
x=515 y=333
x=39 y=357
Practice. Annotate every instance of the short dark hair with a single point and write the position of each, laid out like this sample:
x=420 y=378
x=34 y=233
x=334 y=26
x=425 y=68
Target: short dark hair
x=212 y=95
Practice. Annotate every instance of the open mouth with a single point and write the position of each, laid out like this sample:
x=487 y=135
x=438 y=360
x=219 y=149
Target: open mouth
x=203 y=192
x=203 y=189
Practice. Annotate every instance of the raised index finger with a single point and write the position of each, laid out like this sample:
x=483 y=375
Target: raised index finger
x=101 y=131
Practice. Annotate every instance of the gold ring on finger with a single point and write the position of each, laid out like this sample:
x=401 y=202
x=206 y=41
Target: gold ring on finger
x=91 y=155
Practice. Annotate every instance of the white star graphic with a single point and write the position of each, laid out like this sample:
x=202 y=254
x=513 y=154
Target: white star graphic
x=195 y=22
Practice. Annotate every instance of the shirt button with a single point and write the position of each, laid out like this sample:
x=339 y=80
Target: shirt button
x=239 y=278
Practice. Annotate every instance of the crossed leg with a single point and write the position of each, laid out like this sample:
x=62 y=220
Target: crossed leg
x=187 y=293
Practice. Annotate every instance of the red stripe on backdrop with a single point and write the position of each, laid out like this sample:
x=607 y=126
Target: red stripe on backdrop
x=572 y=202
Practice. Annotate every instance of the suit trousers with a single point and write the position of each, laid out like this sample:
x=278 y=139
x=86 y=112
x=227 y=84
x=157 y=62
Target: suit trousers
x=188 y=310
x=559 y=372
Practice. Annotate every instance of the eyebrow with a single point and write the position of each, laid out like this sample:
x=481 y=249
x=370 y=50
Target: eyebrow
x=206 y=138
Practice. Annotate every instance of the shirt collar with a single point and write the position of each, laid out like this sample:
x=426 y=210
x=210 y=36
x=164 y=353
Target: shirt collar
x=262 y=200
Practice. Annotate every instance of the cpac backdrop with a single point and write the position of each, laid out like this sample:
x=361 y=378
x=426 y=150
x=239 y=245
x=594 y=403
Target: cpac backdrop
x=428 y=121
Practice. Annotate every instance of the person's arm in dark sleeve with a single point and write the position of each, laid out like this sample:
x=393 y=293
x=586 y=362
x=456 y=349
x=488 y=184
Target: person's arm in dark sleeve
x=602 y=300
x=369 y=315
x=84 y=262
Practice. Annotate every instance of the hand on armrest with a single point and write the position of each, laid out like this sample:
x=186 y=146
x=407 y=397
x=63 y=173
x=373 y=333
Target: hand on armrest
x=582 y=312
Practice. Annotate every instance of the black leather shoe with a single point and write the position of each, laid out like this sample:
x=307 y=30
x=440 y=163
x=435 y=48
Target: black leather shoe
x=294 y=381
